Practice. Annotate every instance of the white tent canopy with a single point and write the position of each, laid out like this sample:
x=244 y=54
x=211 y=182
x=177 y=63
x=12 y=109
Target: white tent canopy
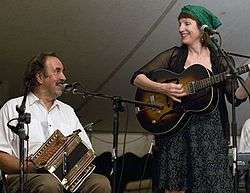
x=103 y=42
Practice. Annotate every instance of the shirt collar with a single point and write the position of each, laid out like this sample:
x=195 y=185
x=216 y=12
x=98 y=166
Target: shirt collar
x=32 y=99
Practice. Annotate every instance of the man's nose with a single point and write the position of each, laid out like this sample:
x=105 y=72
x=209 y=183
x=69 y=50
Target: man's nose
x=63 y=77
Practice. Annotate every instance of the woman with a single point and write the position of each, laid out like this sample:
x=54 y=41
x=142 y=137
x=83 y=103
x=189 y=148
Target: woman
x=195 y=159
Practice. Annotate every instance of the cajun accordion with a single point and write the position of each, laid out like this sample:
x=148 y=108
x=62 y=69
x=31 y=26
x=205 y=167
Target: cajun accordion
x=67 y=158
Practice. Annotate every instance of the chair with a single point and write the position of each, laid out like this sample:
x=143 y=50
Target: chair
x=133 y=169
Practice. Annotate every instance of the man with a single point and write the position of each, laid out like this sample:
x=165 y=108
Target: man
x=244 y=146
x=44 y=81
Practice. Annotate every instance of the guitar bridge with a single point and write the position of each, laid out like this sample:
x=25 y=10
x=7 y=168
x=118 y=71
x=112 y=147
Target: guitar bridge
x=153 y=102
x=152 y=99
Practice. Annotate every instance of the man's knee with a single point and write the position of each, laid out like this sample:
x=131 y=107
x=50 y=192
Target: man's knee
x=103 y=183
x=35 y=183
x=47 y=183
x=96 y=183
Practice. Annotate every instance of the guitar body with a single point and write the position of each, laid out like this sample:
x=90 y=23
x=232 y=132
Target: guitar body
x=175 y=115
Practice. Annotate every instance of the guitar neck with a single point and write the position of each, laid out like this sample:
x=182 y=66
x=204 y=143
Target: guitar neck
x=195 y=86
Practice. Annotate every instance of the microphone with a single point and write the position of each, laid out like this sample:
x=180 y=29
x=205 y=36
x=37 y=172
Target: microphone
x=88 y=126
x=205 y=28
x=70 y=87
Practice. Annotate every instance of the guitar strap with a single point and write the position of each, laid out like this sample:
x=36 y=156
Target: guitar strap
x=181 y=58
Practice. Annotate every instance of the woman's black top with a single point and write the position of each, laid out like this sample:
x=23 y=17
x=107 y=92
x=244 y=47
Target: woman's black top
x=174 y=60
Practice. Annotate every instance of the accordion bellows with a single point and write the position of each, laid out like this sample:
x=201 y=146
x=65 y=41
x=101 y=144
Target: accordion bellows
x=67 y=158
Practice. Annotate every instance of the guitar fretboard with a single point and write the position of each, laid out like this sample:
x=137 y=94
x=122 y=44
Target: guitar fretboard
x=195 y=86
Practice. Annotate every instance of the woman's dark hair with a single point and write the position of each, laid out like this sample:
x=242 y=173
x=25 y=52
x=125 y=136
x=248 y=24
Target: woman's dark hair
x=205 y=39
x=36 y=65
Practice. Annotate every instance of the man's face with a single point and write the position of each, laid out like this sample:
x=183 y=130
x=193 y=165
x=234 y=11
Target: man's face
x=54 y=77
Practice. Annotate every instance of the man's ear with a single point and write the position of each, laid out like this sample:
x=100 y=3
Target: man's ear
x=40 y=77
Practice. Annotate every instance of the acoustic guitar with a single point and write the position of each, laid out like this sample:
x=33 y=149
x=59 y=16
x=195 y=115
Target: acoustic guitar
x=202 y=97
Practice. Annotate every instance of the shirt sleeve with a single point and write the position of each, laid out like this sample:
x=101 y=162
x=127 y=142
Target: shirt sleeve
x=162 y=60
x=83 y=135
x=245 y=138
x=5 y=133
x=228 y=84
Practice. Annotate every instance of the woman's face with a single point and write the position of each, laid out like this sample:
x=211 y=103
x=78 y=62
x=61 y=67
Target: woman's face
x=189 y=31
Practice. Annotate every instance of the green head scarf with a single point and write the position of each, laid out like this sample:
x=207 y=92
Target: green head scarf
x=203 y=15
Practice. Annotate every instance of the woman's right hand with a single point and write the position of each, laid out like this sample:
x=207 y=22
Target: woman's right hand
x=172 y=90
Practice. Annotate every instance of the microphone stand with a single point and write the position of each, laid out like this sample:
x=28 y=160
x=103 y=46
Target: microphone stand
x=238 y=55
x=233 y=76
x=239 y=78
x=23 y=118
x=117 y=108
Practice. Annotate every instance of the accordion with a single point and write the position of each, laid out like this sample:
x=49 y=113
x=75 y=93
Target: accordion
x=67 y=158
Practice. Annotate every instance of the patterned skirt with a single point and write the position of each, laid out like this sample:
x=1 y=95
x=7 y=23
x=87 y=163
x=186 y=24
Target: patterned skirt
x=195 y=158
